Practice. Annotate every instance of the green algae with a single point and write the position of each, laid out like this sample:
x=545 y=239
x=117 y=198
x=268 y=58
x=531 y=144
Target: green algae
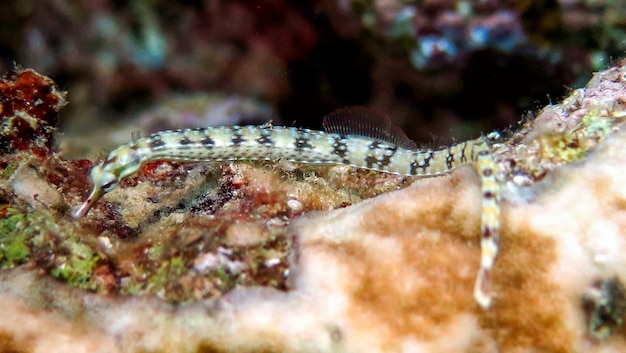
x=164 y=281
x=9 y=170
x=158 y=281
x=172 y=269
x=65 y=257
x=561 y=149
x=77 y=266
x=13 y=247
x=156 y=252
x=571 y=145
x=598 y=124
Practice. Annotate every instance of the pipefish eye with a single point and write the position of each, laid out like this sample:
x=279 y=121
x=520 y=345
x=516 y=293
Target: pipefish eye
x=104 y=180
x=109 y=186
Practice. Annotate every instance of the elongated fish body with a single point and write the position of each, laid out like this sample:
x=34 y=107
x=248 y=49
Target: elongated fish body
x=384 y=150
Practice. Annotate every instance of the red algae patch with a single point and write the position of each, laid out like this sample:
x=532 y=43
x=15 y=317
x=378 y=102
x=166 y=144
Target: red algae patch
x=29 y=103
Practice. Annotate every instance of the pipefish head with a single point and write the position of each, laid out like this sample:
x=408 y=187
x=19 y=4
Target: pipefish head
x=105 y=176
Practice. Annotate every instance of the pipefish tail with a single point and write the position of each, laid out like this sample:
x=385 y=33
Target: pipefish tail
x=352 y=136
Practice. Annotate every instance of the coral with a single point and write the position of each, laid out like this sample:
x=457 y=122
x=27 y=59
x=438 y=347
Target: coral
x=111 y=52
x=275 y=256
x=29 y=103
x=565 y=133
x=438 y=34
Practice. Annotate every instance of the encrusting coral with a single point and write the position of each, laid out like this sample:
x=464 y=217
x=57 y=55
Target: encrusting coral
x=269 y=258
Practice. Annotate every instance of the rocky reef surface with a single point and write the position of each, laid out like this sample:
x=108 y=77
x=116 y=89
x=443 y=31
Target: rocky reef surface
x=279 y=257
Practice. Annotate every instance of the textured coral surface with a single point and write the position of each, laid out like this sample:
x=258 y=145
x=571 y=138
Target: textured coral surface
x=29 y=104
x=276 y=257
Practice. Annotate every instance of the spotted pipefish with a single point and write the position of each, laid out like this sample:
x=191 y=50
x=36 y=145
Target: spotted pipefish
x=352 y=137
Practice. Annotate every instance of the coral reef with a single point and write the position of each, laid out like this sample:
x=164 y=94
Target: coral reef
x=282 y=257
x=426 y=63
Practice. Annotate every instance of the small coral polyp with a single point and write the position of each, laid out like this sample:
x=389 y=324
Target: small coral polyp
x=354 y=137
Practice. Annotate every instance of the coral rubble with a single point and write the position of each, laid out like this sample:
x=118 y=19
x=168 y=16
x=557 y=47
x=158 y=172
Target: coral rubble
x=287 y=258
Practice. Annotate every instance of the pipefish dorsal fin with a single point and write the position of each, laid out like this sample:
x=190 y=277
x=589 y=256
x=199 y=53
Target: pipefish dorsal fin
x=135 y=135
x=363 y=122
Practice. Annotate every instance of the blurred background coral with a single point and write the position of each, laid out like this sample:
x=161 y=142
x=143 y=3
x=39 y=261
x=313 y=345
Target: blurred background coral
x=442 y=69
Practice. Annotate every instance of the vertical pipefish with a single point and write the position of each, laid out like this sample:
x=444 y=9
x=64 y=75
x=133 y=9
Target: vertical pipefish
x=353 y=137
